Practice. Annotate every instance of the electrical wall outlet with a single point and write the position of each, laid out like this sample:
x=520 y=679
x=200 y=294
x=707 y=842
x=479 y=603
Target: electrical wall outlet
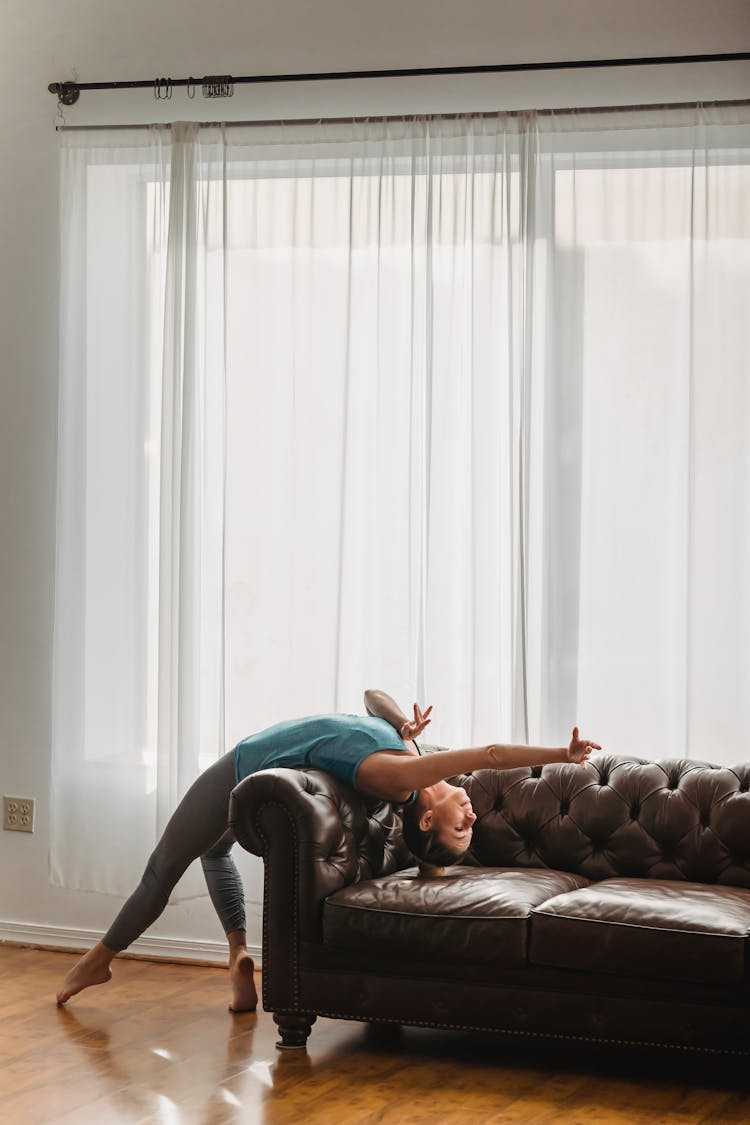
x=18 y=814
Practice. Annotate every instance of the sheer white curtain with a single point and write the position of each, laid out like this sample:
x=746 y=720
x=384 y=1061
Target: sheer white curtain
x=138 y=699
x=487 y=419
x=376 y=365
x=492 y=375
x=651 y=369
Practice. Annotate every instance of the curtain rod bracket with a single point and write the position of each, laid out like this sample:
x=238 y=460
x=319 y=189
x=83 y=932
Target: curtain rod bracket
x=68 y=93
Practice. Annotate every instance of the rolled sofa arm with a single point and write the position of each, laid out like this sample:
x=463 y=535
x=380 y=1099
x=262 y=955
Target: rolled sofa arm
x=315 y=835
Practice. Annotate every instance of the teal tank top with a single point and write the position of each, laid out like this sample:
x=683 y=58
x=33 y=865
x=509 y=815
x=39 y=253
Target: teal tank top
x=337 y=744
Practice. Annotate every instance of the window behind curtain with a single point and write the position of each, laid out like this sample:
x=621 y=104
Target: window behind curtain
x=486 y=432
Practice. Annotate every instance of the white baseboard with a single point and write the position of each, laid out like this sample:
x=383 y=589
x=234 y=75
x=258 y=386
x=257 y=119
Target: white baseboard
x=172 y=949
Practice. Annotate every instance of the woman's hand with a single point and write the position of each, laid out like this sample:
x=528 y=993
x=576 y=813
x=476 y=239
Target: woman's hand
x=413 y=727
x=580 y=749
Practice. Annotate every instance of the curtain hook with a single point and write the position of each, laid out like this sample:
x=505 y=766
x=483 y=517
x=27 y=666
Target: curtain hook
x=162 y=89
x=191 y=87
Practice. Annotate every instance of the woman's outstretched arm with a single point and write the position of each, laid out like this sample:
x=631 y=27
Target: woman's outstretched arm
x=394 y=776
x=416 y=773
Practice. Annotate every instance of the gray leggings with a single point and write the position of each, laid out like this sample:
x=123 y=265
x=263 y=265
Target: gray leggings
x=198 y=827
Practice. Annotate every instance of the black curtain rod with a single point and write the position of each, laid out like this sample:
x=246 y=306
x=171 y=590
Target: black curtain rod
x=222 y=85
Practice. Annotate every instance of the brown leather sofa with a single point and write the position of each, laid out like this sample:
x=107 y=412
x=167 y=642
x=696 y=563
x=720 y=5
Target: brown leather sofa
x=609 y=904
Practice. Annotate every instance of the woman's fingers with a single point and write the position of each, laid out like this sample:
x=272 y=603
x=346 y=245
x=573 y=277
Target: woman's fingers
x=415 y=726
x=576 y=739
x=421 y=717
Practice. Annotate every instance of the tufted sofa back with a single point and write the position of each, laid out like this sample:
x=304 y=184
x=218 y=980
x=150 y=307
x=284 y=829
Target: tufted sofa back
x=674 y=819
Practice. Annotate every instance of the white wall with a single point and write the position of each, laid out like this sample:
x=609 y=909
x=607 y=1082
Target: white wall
x=41 y=42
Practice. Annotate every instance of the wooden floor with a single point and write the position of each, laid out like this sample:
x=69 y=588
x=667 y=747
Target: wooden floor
x=157 y=1044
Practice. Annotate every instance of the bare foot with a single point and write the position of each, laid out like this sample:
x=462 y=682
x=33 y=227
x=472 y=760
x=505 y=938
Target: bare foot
x=93 y=968
x=244 y=994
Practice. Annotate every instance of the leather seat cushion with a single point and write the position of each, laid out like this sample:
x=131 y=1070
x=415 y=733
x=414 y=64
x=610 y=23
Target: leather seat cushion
x=478 y=913
x=646 y=927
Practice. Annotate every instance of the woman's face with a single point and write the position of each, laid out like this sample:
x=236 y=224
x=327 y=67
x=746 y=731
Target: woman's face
x=453 y=818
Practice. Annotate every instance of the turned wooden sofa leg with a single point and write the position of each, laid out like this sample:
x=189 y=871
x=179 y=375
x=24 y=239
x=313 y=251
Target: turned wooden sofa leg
x=294 y=1028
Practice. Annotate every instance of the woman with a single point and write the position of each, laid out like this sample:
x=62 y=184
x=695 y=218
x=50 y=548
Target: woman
x=377 y=755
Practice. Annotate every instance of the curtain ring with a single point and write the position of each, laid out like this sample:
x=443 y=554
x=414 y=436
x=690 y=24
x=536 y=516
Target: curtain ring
x=191 y=87
x=168 y=85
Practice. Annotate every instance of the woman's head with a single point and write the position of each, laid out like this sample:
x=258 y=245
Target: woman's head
x=437 y=825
